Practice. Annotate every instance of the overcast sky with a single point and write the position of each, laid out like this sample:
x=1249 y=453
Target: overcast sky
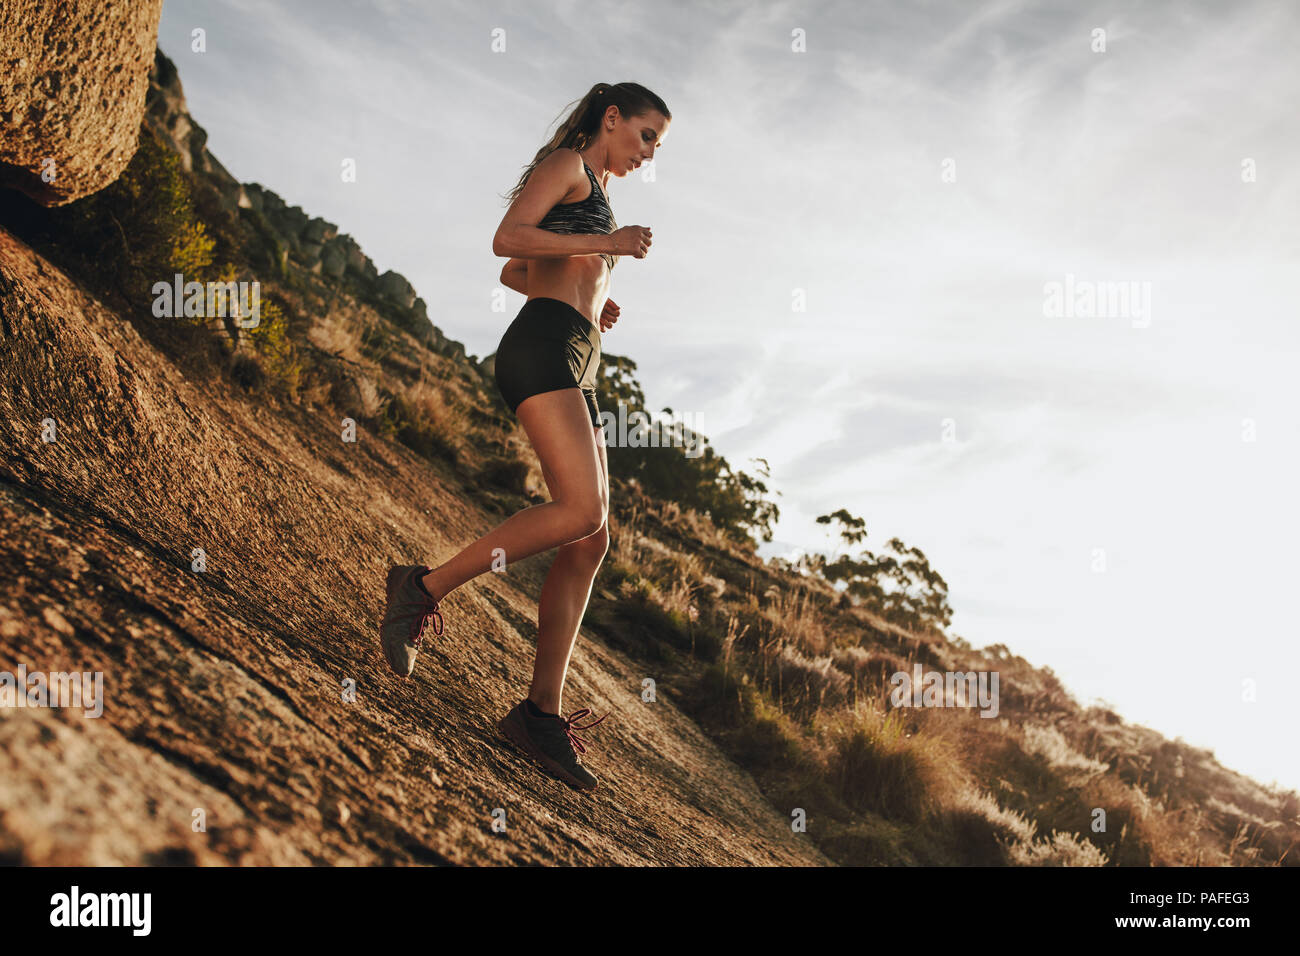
x=1109 y=495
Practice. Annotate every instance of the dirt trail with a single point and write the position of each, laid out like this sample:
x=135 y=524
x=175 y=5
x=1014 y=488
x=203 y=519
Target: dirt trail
x=223 y=688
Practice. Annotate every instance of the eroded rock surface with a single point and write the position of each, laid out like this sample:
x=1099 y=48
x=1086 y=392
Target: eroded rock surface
x=73 y=78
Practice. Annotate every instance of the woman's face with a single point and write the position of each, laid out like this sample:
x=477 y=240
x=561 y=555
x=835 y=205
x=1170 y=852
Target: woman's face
x=633 y=141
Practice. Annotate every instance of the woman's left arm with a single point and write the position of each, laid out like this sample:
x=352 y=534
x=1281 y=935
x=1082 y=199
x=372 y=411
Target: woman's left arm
x=609 y=315
x=515 y=275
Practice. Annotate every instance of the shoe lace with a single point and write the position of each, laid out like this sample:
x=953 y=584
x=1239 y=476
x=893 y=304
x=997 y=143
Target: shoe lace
x=430 y=611
x=571 y=724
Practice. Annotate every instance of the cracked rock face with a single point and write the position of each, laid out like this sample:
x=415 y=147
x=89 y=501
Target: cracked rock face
x=72 y=93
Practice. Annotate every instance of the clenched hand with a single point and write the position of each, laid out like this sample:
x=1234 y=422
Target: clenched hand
x=608 y=315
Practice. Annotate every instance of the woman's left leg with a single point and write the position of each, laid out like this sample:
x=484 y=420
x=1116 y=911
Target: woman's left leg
x=564 y=600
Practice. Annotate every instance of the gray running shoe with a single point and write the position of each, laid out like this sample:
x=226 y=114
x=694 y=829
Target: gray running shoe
x=406 y=614
x=551 y=742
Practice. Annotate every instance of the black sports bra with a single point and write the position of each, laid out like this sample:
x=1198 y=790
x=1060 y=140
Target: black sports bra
x=586 y=216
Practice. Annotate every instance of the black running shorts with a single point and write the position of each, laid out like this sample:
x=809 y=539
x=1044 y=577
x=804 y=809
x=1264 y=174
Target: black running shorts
x=549 y=345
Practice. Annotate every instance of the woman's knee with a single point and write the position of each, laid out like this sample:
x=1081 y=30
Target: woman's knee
x=587 y=518
x=593 y=547
x=593 y=524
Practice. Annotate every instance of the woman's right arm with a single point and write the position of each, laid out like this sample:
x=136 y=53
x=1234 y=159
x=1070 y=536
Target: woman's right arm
x=518 y=236
x=522 y=241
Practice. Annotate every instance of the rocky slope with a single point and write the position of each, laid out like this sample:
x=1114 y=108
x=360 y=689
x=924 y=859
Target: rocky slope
x=227 y=735
x=224 y=683
x=224 y=687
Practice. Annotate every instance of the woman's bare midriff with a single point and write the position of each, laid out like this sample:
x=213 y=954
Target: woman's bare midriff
x=581 y=281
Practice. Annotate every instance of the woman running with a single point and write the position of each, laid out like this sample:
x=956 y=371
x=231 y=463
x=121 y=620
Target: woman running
x=562 y=242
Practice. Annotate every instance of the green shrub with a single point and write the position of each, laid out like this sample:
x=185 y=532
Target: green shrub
x=875 y=767
x=400 y=420
x=141 y=229
x=275 y=349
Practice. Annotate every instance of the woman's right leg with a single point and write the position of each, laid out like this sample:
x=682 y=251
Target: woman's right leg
x=558 y=424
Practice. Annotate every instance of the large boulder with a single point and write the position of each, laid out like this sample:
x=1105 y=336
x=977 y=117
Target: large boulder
x=395 y=287
x=290 y=220
x=73 y=79
x=309 y=254
x=334 y=259
x=318 y=230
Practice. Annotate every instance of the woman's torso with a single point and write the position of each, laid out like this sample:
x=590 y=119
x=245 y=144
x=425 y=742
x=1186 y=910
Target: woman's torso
x=581 y=281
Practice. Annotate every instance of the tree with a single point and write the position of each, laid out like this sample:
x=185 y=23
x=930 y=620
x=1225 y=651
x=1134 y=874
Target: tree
x=737 y=502
x=897 y=583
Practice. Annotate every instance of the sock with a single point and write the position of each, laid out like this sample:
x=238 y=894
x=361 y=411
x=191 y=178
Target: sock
x=534 y=710
x=419 y=582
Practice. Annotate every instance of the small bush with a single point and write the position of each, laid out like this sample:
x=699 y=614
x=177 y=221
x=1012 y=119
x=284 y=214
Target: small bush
x=875 y=766
x=614 y=573
x=278 y=356
x=425 y=435
x=868 y=841
x=247 y=373
x=191 y=249
x=764 y=742
x=508 y=473
x=808 y=684
x=1058 y=849
x=755 y=730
